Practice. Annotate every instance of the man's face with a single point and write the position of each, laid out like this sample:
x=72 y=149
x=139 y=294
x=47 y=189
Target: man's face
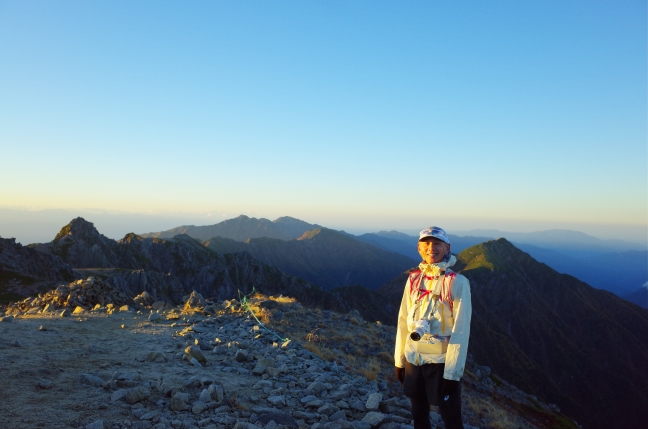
x=432 y=250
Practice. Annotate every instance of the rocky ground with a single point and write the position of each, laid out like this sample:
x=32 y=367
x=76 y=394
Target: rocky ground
x=80 y=357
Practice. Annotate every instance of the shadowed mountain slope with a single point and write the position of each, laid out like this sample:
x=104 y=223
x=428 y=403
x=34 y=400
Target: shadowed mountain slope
x=24 y=271
x=324 y=257
x=242 y=228
x=583 y=348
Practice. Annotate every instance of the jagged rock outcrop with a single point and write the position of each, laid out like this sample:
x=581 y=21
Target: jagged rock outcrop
x=161 y=286
x=24 y=271
x=82 y=246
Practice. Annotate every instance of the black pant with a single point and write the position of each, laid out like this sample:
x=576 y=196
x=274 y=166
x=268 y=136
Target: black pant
x=424 y=387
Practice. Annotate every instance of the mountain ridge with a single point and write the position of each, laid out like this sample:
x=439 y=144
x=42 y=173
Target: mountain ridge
x=322 y=256
x=241 y=228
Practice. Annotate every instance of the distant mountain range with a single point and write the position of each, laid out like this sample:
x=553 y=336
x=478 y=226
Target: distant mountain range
x=615 y=265
x=639 y=297
x=549 y=333
x=242 y=228
x=567 y=241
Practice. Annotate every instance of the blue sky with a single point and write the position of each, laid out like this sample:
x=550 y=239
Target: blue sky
x=358 y=115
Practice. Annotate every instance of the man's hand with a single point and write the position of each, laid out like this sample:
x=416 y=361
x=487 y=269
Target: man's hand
x=399 y=373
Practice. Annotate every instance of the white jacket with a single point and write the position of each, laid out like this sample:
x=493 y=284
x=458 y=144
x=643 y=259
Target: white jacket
x=442 y=297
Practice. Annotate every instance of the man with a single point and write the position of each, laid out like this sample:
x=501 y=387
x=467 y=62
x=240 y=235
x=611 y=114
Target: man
x=432 y=333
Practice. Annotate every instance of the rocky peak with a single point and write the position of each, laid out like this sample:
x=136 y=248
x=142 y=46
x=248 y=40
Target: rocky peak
x=79 y=228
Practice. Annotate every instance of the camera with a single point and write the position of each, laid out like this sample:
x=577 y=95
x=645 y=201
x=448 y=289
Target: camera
x=421 y=327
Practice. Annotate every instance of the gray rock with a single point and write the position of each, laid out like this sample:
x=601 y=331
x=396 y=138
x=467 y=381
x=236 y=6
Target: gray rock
x=216 y=392
x=97 y=424
x=374 y=418
x=361 y=425
x=343 y=405
x=118 y=395
x=241 y=355
x=179 y=402
x=90 y=379
x=328 y=410
x=195 y=353
x=281 y=418
x=192 y=382
x=158 y=357
x=373 y=401
x=358 y=406
x=137 y=394
x=277 y=401
x=317 y=387
x=308 y=398
x=44 y=384
x=392 y=425
x=205 y=396
x=318 y=403
x=198 y=407
x=244 y=425
x=337 y=416
x=7 y=319
x=194 y=302
x=139 y=412
x=340 y=424
x=150 y=415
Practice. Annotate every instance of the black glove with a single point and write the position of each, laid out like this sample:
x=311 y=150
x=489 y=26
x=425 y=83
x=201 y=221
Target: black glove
x=399 y=373
x=449 y=390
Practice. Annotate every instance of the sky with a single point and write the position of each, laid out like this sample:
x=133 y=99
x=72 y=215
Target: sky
x=356 y=115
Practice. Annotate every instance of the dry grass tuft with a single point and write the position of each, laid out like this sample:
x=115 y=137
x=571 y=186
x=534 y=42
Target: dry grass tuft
x=313 y=336
x=323 y=352
x=386 y=357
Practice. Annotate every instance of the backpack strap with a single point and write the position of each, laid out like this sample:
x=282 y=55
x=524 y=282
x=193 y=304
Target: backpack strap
x=414 y=280
x=446 y=288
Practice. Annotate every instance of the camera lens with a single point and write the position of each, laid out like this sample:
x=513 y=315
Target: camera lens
x=415 y=336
